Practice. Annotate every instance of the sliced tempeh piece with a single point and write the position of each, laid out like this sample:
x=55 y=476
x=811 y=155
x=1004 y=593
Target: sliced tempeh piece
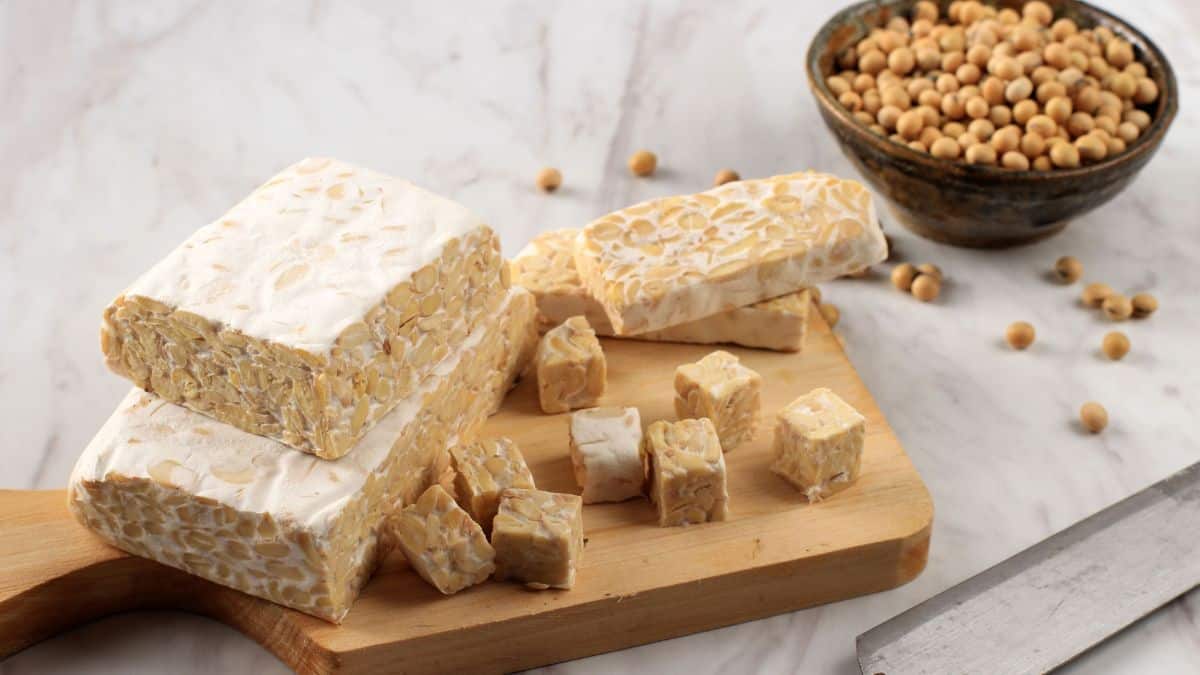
x=443 y=544
x=687 y=472
x=720 y=388
x=538 y=537
x=607 y=455
x=483 y=470
x=818 y=445
x=571 y=369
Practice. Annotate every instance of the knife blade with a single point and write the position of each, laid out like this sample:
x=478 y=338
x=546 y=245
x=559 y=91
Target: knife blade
x=1053 y=601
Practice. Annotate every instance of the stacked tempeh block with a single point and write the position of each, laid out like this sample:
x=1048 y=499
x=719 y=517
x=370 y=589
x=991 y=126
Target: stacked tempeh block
x=306 y=362
x=730 y=265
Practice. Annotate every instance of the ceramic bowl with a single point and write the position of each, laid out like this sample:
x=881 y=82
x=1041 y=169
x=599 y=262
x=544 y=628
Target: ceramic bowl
x=982 y=206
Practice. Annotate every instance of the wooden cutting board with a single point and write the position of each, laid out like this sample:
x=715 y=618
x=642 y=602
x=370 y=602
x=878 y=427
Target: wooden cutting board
x=637 y=583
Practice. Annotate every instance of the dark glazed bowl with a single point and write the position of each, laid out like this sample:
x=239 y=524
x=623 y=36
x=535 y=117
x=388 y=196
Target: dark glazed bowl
x=982 y=206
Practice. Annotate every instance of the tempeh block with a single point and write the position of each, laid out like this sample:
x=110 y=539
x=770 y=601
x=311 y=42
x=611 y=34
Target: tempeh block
x=571 y=370
x=669 y=261
x=483 y=470
x=720 y=388
x=546 y=266
x=538 y=537
x=310 y=309
x=175 y=486
x=687 y=472
x=443 y=544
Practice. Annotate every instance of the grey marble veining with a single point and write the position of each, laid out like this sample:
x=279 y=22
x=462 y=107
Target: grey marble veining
x=124 y=126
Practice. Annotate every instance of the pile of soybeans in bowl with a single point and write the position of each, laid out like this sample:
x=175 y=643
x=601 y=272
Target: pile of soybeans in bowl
x=1019 y=90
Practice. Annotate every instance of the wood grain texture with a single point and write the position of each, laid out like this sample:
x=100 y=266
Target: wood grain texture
x=637 y=582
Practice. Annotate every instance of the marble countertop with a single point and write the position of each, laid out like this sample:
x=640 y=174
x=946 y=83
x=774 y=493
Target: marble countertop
x=124 y=126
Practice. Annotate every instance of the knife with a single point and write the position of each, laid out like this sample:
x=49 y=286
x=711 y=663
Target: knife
x=1053 y=601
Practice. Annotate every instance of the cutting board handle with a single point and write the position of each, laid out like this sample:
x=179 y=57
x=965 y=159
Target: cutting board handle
x=55 y=575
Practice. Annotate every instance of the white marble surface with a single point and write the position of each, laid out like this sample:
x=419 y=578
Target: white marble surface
x=123 y=126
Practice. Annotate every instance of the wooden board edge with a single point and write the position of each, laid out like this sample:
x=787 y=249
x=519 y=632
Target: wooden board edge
x=621 y=622
x=116 y=582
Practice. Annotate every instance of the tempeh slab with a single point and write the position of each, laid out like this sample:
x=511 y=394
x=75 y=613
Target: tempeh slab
x=310 y=309
x=546 y=266
x=669 y=261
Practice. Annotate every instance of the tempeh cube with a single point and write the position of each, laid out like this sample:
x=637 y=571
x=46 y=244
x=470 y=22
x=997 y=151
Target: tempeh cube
x=546 y=266
x=673 y=260
x=443 y=544
x=172 y=485
x=687 y=472
x=310 y=309
x=483 y=470
x=818 y=444
x=720 y=388
x=538 y=537
x=571 y=371
x=607 y=455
